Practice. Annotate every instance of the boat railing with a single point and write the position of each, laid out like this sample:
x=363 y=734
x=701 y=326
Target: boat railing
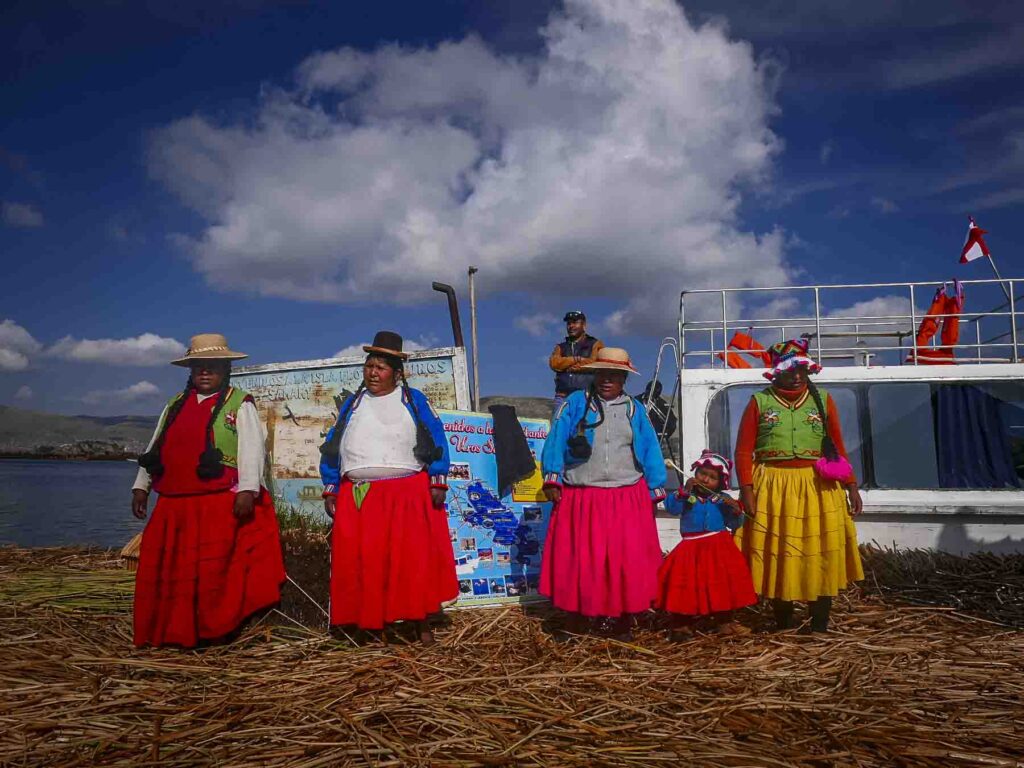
x=872 y=330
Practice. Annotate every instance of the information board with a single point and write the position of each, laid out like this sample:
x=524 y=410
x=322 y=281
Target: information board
x=498 y=542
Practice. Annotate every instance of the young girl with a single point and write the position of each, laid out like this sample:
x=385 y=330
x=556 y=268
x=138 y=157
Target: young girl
x=705 y=575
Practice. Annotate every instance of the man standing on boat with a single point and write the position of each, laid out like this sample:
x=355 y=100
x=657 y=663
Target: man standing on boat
x=569 y=357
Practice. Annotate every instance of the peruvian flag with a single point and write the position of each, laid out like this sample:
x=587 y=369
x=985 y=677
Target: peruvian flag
x=974 y=245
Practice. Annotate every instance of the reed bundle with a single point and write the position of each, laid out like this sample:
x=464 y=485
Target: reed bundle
x=896 y=684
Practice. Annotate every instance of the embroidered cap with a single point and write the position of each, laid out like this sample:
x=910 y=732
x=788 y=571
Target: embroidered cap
x=789 y=354
x=711 y=460
x=573 y=314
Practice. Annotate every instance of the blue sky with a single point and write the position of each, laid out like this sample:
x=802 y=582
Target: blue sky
x=295 y=174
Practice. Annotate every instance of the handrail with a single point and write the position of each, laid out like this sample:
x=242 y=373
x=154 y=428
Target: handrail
x=824 y=329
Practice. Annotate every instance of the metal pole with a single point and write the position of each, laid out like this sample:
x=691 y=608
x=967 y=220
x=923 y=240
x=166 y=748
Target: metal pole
x=1000 y=279
x=476 y=349
x=817 y=321
x=913 y=321
x=1013 y=324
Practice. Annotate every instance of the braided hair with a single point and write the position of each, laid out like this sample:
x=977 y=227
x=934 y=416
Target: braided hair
x=828 y=446
x=578 y=444
x=425 y=451
x=211 y=459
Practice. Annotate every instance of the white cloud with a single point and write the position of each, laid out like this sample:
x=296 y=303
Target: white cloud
x=827 y=148
x=408 y=345
x=21 y=215
x=16 y=346
x=613 y=161
x=146 y=349
x=884 y=205
x=540 y=324
x=24 y=393
x=1002 y=50
x=143 y=390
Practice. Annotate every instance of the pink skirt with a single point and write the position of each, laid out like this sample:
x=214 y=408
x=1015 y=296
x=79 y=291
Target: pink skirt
x=705 y=574
x=602 y=554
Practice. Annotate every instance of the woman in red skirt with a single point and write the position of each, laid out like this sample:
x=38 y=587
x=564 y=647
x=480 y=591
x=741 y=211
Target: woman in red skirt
x=706 y=574
x=385 y=468
x=211 y=552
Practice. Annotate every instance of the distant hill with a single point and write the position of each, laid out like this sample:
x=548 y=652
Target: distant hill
x=526 y=407
x=32 y=434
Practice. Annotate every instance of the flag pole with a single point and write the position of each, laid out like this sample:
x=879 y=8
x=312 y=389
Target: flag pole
x=995 y=269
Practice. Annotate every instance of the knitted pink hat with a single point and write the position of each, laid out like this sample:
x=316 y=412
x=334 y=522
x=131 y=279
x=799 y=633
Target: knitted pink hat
x=712 y=460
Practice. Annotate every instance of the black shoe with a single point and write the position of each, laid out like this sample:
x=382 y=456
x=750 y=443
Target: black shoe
x=783 y=610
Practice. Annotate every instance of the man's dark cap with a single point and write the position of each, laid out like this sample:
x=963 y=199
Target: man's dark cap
x=573 y=314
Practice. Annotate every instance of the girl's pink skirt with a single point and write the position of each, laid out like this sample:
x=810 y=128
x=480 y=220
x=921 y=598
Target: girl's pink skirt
x=705 y=574
x=602 y=553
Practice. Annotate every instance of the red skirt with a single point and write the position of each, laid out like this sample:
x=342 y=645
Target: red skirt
x=392 y=558
x=201 y=572
x=705 y=574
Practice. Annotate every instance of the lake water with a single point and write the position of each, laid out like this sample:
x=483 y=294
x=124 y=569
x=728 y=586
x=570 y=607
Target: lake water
x=53 y=503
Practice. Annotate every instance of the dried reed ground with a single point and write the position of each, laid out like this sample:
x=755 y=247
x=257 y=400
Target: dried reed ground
x=896 y=685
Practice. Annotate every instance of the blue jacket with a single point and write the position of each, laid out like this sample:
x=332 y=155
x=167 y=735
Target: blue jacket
x=438 y=470
x=646 y=448
x=702 y=516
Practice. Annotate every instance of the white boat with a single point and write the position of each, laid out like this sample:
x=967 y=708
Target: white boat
x=939 y=449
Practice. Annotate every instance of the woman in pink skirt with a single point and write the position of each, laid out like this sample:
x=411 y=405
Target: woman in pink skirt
x=604 y=471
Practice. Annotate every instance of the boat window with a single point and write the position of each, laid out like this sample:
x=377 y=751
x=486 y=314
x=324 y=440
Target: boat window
x=947 y=435
x=903 y=435
x=913 y=435
x=727 y=406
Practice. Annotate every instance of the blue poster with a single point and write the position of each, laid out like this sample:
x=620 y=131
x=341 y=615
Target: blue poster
x=498 y=541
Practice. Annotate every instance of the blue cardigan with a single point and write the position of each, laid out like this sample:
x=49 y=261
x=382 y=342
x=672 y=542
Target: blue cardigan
x=702 y=516
x=438 y=470
x=646 y=448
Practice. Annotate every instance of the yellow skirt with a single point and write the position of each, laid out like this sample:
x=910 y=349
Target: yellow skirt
x=802 y=543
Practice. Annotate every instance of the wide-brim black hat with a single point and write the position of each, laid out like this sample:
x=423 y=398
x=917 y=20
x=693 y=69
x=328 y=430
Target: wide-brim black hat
x=387 y=343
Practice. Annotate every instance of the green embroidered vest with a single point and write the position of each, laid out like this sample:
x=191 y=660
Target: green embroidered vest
x=788 y=430
x=225 y=429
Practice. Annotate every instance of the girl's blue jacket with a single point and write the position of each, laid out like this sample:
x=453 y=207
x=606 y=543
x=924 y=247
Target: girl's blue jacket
x=646 y=448
x=438 y=470
x=702 y=516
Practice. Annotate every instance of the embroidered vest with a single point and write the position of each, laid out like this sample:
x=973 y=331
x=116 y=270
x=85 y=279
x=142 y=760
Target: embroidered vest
x=788 y=430
x=225 y=433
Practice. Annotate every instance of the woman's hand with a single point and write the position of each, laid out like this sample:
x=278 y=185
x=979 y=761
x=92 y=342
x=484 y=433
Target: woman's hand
x=140 y=503
x=330 y=502
x=245 y=505
x=749 y=500
x=553 y=492
x=856 y=502
x=437 y=496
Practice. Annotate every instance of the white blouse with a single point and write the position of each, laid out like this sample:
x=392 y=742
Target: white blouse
x=252 y=438
x=379 y=440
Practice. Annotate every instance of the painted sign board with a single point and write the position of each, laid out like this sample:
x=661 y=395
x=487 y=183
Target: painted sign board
x=298 y=402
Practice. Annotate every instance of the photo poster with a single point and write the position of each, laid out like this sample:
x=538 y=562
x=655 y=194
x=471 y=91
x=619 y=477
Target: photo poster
x=498 y=541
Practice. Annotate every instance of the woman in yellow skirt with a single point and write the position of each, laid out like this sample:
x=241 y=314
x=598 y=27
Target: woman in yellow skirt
x=799 y=487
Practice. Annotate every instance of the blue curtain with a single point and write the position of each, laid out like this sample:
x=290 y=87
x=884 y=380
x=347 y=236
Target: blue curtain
x=971 y=440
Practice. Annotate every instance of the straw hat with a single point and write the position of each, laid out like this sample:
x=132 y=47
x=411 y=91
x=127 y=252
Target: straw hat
x=611 y=359
x=208 y=346
x=387 y=343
